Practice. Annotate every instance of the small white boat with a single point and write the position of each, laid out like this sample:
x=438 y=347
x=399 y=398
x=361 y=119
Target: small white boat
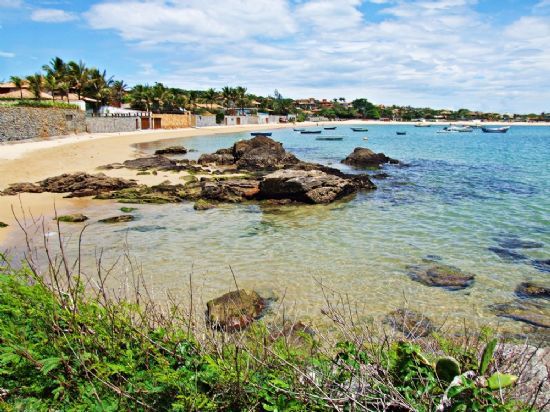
x=456 y=129
x=365 y=138
x=495 y=129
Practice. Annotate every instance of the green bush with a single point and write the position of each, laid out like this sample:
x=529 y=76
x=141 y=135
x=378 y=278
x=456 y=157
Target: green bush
x=37 y=103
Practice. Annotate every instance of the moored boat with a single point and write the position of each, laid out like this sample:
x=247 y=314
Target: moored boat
x=311 y=132
x=460 y=129
x=495 y=129
x=260 y=133
x=330 y=128
x=298 y=130
x=359 y=129
x=330 y=138
x=422 y=125
x=401 y=133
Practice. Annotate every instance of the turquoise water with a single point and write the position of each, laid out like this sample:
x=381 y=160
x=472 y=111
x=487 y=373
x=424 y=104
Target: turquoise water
x=454 y=197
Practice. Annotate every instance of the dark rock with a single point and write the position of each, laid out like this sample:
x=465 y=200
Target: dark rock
x=536 y=313
x=229 y=190
x=412 y=324
x=127 y=209
x=517 y=243
x=380 y=176
x=203 y=205
x=361 y=181
x=363 y=157
x=76 y=218
x=118 y=219
x=440 y=275
x=217 y=158
x=533 y=290
x=3 y=225
x=235 y=310
x=155 y=162
x=304 y=186
x=261 y=153
x=541 y=264
x=16 y=188
x=506 y=254
x=160 y=194
x=172 y=150
x=111 y=166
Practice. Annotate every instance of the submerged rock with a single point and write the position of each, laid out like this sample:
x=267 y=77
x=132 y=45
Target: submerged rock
x=533 y=290
x=513 y=242
x=412 y=324
x=305 y=186
x=3 y=225
x=541 y=264
x=363 y=157
x=235 y=310
x=506 y=254
x=75 y=218
x=154 y=162
x=171 y=150
x=440 y=275
x=77 y=184
x=536 y=313
x=118 y=219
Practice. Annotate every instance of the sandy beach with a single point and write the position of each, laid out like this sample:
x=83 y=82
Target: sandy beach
x=32 y=161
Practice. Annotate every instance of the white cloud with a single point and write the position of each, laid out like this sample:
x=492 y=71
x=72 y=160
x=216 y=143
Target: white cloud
x=421 y=53
x=7 y=55
x=52 y=16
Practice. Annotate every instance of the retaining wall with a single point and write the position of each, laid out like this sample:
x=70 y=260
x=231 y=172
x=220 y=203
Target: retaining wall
x=110 y=124
x=20 y=123
x=205 y=121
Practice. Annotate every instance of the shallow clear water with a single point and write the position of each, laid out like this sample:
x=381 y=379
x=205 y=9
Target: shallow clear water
x=455 y=196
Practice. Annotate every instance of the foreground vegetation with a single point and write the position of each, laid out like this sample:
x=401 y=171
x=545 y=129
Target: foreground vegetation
x=64 y=348
x=36 y=103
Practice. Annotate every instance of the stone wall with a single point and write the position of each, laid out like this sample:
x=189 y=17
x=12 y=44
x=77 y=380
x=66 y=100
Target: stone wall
x=20 y=123
x=175 y=121
x=112 y=124
x=205 y=121
x=240 y=120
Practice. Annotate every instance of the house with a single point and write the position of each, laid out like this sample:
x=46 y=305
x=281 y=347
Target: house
x=10 y=91
x=306 y=104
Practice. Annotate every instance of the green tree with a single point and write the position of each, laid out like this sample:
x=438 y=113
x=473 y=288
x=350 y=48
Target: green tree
x=36 y=85
x=52 y=85
x=18 y=82
x=79 y=76
x=210 y=97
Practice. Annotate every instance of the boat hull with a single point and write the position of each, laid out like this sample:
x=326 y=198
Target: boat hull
x=495 y=129
x=261 y=134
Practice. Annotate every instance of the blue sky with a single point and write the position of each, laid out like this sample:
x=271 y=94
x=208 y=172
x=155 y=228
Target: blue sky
x=487 y=55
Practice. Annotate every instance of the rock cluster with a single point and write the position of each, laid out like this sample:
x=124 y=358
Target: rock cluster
x=440 y=275
x=363 y=158
x=235 y=310
x=172 y=150
x=77 y=184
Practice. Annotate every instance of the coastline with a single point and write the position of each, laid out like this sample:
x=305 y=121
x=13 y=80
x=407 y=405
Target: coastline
x=31 y=161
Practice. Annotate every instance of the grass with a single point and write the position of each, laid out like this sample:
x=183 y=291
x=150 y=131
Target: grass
x=36 y=103
x=70 y=343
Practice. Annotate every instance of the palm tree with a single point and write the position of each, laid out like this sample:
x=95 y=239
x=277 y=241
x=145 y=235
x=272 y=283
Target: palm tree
x=210 y=96
x=78 y=75
x=57 y=69
x=99 y=87
x=193 y=95
x=18 y=82
x=118 y=91
x=35 y=84
x=52 y=85
x=141 y=96
x=240 y=96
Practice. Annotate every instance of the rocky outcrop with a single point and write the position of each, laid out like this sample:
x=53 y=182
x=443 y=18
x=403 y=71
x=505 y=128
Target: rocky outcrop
x=159 y=194
x=203 y=205
x=304 y=186
x=172 y=150
x=440 y=275
x=229 y=190
x=533 y=290
x=412 y=324
x=77 y=184
x=366 y=158
x=75 y=218
x=222 y=157
x=154 y=162
x=235 y=310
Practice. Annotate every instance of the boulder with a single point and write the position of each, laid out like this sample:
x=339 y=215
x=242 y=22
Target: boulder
x=235 y=310
x=75 y=218
x=154 y=162
x=220 y=158
x=229 y=190
x=261 y=153
x=3 y=225
x=363 y=157
x=172 y=150
x=536 y=313
x=412 y=324
x=533 y=290
x=118 y=219
x=203 y=205
x=77 y=184
x=304 y=186
x=440 y=275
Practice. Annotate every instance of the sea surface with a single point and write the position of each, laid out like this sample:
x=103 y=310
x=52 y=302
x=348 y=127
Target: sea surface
x=462 y=199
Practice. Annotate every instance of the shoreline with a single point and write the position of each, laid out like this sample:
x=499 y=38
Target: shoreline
x=31 y=161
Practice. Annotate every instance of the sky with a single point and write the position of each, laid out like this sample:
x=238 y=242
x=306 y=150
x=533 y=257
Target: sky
x=490 y=55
